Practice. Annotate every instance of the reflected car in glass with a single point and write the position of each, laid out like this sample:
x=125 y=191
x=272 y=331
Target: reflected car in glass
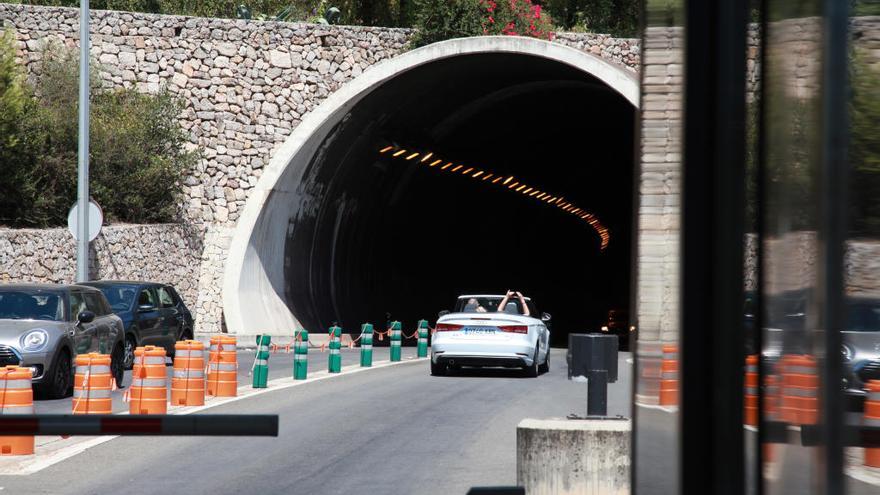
x=151 y=313
x=475 y=333
x=45 y=326
x=617 y=323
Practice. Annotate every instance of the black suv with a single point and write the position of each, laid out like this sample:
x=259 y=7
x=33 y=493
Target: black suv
x=152 y=314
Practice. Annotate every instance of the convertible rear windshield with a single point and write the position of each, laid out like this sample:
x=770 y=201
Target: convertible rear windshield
x=489 y=304
x=31 y=305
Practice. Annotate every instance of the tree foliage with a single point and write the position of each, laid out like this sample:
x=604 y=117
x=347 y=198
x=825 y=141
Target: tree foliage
x=615 y=17
x=137 y=148
x=864 y=146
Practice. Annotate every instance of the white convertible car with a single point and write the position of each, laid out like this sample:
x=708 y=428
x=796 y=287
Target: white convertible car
x=477 y=334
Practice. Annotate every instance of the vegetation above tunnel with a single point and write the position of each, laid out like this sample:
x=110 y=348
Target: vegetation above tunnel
x=459 y=17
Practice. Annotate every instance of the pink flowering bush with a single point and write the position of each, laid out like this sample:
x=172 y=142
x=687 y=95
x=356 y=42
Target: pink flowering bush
x=438 y=20
x=516 y=18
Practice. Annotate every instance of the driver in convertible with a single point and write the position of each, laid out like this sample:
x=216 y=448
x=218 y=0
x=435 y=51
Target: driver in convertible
x=502 y=307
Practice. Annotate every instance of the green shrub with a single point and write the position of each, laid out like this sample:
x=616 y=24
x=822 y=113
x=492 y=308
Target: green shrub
x=137 y=153
x=438 y=20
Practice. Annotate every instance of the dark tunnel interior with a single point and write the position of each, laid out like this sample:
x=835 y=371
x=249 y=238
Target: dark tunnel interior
x=379 y=237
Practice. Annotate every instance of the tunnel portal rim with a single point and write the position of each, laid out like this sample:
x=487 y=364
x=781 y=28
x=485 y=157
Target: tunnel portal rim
x=314 y=128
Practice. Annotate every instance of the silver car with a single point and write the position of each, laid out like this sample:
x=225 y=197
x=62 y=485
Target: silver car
x=44 y=327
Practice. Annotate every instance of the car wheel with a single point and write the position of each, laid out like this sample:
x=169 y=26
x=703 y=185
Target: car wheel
x=545 y=366
x=128 y=351
x=532 y=371
x=438 y=369
x=117 y=364
x=59 y=383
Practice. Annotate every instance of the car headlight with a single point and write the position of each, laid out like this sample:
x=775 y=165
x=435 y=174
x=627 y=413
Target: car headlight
x=34 y=340
x=604 y=328
x=847 y=352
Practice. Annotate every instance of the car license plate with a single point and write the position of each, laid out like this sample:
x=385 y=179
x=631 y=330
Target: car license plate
x=478 y=330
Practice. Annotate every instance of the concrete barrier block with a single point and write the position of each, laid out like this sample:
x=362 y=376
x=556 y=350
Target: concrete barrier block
x=564 y=456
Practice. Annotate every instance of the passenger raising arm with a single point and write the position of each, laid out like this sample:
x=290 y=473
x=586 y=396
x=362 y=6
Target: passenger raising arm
x=522 y=300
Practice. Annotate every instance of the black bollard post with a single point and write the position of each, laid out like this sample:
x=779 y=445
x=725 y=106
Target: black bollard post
x=597 y=393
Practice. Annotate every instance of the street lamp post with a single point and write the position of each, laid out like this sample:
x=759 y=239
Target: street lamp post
x=82 y=241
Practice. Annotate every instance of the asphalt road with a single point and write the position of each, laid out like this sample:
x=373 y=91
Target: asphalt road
x=391 y=430
x=280 y=365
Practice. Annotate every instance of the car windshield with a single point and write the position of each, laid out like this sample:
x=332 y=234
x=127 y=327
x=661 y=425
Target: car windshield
x=120 y=297
x=486 y=304
x=863 y=317
x=31 y=305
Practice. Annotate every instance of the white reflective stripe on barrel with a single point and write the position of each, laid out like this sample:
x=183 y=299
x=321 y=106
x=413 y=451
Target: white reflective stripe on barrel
x=261 y=362
x=149 y=360
x=871 y=422
x=226 y=348
x=148 y=382
x=800 y=370
x=668 y=374
x=800 y=392
x=300 y=357
x=395 y=333
x=751 y=391
x=873 y=396
x=91 y=393
x=670 y=356
x=29 y=409
x=395 y=343
x=94 y=369
x=751 y=368
x=190 y=353
x=189 y=374
x=222 y=366
x=366 y=347
x=17 y=384
x=422 y=340
x=334 y=351
x=263 y=348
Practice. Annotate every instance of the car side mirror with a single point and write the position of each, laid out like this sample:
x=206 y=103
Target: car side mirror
x=85 y=317
x=443 y=313
x=545 y=317
x=145 y=308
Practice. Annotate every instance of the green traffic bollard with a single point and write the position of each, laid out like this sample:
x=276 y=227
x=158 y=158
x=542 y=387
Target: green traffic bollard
x=395 y=341
x=261 y=363
x=334 y=363
x=366 y=345
x=423 y=339
x=301 y=355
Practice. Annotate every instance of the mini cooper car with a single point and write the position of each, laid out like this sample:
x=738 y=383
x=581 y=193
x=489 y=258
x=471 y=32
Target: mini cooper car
x=45 y=326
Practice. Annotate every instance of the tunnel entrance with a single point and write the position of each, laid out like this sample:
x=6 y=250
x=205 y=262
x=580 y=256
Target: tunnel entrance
x=476 y=173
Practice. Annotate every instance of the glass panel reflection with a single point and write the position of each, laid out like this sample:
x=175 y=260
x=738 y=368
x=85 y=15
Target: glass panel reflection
x=861 y=335
x=792 y=92
x=656 y=451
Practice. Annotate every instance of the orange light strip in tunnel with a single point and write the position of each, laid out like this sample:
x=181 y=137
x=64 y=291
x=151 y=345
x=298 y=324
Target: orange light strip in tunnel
x=509 y=183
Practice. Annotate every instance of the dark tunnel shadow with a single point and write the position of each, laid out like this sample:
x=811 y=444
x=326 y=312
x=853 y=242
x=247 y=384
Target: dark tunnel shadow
x=375 y=234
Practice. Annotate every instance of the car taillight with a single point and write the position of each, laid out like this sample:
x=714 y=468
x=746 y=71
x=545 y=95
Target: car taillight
x=447 y=327
x=514 y=328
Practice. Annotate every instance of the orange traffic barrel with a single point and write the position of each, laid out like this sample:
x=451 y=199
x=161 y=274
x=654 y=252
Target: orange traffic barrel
x=148 y=393
x=800 y=390
x=669 y=376
x=16 y=397
x=188 y=380
x=751 y=391
x=92 y=384
x=222 y=367
x=872 y=418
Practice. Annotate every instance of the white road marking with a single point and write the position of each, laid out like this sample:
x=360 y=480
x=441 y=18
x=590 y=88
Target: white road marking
x=26 y=465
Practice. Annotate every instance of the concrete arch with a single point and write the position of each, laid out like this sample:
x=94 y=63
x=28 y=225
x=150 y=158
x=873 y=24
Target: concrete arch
x=253 y=288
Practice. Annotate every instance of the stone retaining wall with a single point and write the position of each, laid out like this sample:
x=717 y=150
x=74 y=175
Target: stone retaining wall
x=168 y=253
